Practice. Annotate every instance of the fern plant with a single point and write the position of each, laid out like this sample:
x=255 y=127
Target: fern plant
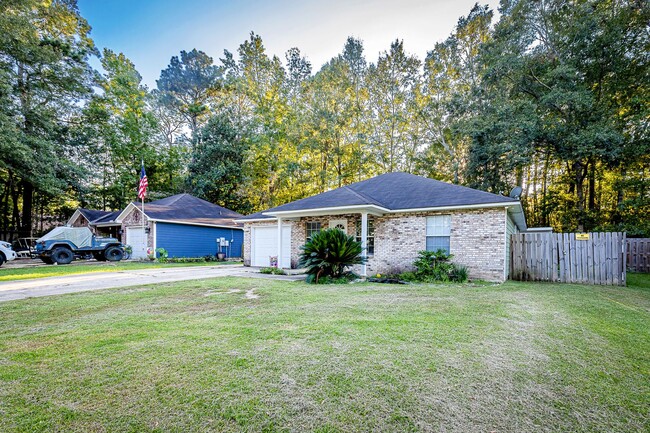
x=328 y=253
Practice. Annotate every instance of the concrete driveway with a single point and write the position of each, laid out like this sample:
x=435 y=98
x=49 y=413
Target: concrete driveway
x=21 y=289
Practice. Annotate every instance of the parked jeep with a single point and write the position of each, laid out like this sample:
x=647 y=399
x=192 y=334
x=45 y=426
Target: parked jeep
x=6 y=253
x=62 y=244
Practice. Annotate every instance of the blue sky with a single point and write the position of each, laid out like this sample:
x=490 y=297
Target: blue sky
x=149 y=32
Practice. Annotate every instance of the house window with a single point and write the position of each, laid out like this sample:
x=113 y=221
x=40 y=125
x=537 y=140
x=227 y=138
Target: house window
x=371 y=235
x=438 y=230
x=312 y=227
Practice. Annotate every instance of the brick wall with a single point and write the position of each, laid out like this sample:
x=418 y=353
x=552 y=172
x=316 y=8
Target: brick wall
x=134 y=219
x=477 y=240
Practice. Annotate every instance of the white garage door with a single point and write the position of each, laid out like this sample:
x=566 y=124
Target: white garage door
x=264 y=244
x=137 y=238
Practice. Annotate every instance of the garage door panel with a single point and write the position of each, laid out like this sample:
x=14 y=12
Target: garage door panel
x=264 y=244
x=137 y=239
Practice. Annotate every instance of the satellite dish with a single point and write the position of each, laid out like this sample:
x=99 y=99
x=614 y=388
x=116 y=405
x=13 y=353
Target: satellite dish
x=516 y=192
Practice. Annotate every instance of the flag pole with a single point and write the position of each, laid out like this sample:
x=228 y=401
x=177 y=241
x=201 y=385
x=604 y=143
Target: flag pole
x=142 y=207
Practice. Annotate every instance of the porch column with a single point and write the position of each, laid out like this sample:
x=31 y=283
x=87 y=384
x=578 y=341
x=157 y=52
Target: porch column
x=279 y=243
x=364 y=241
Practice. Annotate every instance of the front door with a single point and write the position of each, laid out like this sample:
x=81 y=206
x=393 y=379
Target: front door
x=341 y=224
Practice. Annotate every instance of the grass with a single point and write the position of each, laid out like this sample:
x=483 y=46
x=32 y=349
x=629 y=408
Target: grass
x=11 y=274
x=250 y=355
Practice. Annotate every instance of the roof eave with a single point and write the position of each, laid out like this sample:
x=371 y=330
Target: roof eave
x=253 y=220
x=222 y=226
x=334 y=210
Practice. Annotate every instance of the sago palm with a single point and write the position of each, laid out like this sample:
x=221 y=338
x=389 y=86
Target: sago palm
x=330 y=252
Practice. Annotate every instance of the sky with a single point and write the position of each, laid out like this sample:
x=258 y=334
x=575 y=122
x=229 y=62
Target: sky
x=150 y=32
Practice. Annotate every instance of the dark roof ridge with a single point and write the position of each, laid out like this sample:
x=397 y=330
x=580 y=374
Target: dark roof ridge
x=175 y=198
x=362 y=196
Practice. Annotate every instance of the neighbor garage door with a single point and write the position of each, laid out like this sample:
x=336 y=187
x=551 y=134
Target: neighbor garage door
x=264 y=244
x=137 y=238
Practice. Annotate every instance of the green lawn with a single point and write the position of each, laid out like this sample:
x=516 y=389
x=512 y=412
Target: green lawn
x=203 y=356
x=10 y=274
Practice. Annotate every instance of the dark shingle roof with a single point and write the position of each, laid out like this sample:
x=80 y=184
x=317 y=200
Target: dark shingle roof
x=189 y=209
x=394 y=191
x=92 y=215
x=108 y=218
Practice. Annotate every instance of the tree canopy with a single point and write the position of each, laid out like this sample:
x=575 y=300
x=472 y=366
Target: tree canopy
x=552 y=97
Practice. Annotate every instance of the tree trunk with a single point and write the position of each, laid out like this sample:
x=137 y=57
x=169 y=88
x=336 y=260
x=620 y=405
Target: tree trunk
x=592 y=185
x=28 y=195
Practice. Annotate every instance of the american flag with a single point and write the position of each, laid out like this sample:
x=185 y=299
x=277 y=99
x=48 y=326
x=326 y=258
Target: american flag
x=144 y=183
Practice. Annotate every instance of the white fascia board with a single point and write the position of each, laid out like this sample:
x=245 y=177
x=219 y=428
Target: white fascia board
x=337 y=210
x=254 y=220
x=220 y=226
x=109 y=224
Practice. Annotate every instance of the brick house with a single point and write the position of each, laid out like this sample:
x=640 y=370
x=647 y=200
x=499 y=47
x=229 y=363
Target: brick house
x=394 y=216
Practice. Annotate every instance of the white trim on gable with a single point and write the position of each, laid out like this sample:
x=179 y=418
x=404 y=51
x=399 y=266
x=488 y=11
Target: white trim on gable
x=74 y=216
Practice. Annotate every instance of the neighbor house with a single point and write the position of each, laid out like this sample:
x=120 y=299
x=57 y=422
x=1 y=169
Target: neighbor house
x=182 y=224
x=101 y=223
x=394 y=216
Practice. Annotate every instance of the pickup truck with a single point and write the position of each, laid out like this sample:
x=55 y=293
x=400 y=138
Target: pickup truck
x=61 y=249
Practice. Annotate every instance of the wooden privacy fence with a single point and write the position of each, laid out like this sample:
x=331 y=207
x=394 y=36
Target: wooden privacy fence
x=638 y=254
x=591 y=258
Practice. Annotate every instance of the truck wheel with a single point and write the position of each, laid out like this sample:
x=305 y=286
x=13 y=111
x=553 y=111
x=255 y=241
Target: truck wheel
x=114 y=254
x=99 y=257
x=2 y=259
x=62 y=255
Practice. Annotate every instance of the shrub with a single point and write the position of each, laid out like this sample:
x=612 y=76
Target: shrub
x=272 y=270
x=184 y=260
x=163 y=255
x=436 y=266
x=328 y=253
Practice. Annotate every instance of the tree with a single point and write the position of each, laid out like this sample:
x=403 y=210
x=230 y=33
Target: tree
x=44 y=52
x=189 y=84
x=393 y=83
x=120 y=127
x=452 y=74
x=217 y=170
x=566 y=65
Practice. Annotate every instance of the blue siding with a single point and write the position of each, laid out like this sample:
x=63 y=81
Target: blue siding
x=182 y=240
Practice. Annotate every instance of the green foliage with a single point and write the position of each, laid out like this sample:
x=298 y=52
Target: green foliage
x=272 y=270
x=187 y=259
x=188 y=86
x=163 y=255
x=328 y=253
x=346 y=278
x=549 y=97
x=432 y=266
x=217 y=170
x=45 y=78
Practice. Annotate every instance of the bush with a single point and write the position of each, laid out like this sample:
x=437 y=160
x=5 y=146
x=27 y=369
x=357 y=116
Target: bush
x=184 y=260
x=436 y=266
x=272 y=270
x=328 y=253
x=163 y=255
